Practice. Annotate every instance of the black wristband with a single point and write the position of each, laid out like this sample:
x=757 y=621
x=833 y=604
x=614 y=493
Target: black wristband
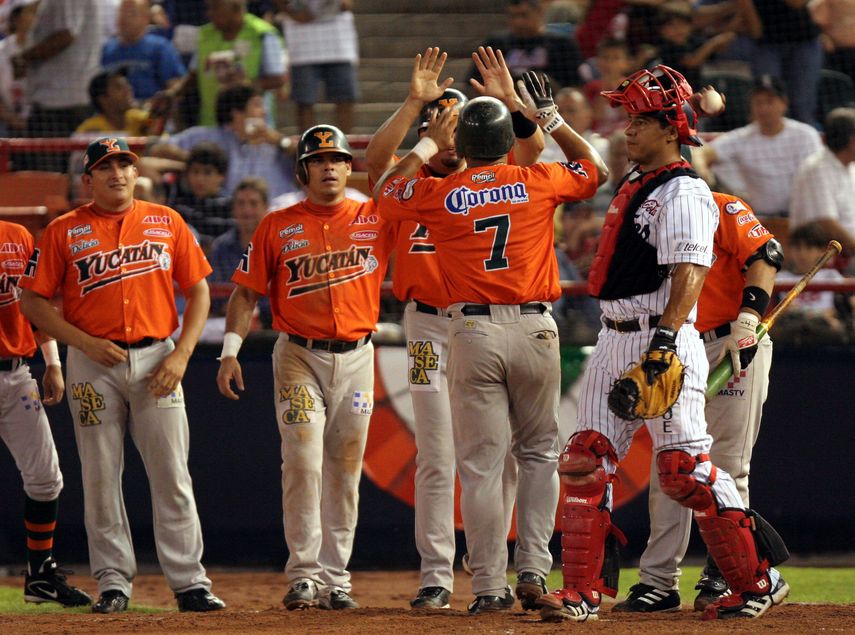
x=755 y=298
x=523 y=126
x=664 y=338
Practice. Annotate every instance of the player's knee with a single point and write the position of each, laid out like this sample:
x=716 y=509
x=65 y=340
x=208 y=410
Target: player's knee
x=44 y=489
x=676 y=477
x=581 y=465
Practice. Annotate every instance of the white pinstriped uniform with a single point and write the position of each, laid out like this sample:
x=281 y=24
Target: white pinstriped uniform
x=681 y=218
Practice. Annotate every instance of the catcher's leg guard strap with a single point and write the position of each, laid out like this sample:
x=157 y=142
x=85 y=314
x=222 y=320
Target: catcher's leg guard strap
x=676 y=477
x=730 y=539
x=589 y=550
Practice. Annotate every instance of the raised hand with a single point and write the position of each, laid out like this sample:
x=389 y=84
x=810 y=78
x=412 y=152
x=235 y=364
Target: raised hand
x=497 y=78
x=426 y=70
x=538 y=104
x=442 y=127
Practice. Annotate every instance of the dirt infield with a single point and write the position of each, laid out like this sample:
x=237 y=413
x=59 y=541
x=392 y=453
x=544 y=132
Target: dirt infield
x=254 y=607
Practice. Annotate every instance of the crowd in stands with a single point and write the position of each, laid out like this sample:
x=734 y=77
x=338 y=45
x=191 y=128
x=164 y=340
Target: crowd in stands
x=204 y=80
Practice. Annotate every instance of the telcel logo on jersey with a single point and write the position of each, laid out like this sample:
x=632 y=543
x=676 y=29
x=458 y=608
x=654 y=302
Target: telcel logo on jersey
x=347 y=265
x=103 y=268
x=461 y=199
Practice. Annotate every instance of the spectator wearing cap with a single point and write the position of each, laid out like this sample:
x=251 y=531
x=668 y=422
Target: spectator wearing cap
x=61 y=58
x=824 y=188
x=14 y=107
x=759 y=161
x=113 y=98
x=151 y=61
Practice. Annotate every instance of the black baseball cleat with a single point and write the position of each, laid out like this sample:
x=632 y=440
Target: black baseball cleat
x=338 y=600
x=199 y=601
x=644 y=598
x=111 y=601
x=49 y=584
x=303 y=594
x=530 y=588
x=431 y=597
x=492 y=603
x=710 y=587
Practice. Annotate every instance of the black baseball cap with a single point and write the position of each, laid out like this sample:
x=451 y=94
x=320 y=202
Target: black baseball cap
x=770 y=83
x=104 y=147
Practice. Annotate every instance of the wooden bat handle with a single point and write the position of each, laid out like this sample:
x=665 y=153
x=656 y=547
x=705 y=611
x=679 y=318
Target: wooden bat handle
x=721 y=373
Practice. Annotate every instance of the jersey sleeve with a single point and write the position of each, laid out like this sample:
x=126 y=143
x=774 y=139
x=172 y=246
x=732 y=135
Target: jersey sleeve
x=46 y=266
x=190 y=264
x=402 y=198
x=258 y=263
x=572 y=180
x=743 y=232
x=687 y=225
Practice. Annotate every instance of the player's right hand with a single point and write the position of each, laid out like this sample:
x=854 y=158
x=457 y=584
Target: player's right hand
x=539 y=106
x=104 y=352
x=442 y=127
x=426 y=70
x=230 y=370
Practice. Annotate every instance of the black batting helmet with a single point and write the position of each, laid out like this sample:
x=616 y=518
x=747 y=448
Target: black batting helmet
x=662 y=93
x=317 y=140
x=484 y=129
x=451 y=97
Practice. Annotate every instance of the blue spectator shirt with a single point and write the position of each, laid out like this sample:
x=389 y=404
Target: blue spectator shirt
x=151 y=62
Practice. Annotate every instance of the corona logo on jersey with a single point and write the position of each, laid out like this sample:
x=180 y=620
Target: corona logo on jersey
x=312 y=272
x=461 y=199
x=104 y=268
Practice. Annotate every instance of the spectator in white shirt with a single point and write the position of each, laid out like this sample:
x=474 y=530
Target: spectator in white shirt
x=824 y=188
x=759 y=161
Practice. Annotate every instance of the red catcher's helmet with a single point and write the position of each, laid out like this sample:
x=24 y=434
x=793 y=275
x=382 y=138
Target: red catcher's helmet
x=662 y=93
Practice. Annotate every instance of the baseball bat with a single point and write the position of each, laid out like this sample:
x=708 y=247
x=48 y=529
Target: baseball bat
x=724 y=370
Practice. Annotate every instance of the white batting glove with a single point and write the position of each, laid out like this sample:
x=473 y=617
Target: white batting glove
x=538 y=104
x=742 y=344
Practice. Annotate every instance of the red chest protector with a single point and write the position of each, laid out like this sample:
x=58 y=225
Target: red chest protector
x=625 y=263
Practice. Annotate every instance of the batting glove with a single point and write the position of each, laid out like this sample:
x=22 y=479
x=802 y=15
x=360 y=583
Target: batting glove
x=539 y=106
x=742 y=344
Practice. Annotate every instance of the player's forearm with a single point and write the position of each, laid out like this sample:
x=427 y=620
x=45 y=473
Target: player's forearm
x=527 y=151
x=575 y=148
x=239 y=312
x=195 y=314
x=388 y=138
x=760 y=275
x=686 y=282
x=47 y=319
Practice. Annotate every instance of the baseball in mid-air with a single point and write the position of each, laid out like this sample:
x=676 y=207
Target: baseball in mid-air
x=711 y=102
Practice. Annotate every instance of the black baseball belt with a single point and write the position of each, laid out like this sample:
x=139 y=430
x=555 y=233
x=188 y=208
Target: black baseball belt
x=143 y=343
x=484 y=309
x=11 y=363
x=717 y=332
x=333 y=346
x=630 y=326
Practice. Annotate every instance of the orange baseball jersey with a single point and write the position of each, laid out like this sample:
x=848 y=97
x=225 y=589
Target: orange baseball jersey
x=16 y=335
x=492 y=226
x=115 y=272
x=416 y=272
x=322 y=268
x=739 y=235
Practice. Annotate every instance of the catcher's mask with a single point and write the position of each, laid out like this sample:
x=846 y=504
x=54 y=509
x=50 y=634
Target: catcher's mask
x=317 y=140
x=661 y=93
x=451 y=97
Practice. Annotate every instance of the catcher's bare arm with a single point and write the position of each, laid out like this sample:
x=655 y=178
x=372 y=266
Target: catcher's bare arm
x=686 y=283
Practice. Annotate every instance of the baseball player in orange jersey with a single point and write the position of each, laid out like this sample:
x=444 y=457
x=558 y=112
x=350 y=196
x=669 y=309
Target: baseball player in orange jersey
x=416 y=280
x=113 y=262
x=733 y=299
x=653 y=256
x=24 y=425
x=492 y=226
x=321 y=261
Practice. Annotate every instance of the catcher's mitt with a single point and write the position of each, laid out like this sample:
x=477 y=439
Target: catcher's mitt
x=648 y=389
